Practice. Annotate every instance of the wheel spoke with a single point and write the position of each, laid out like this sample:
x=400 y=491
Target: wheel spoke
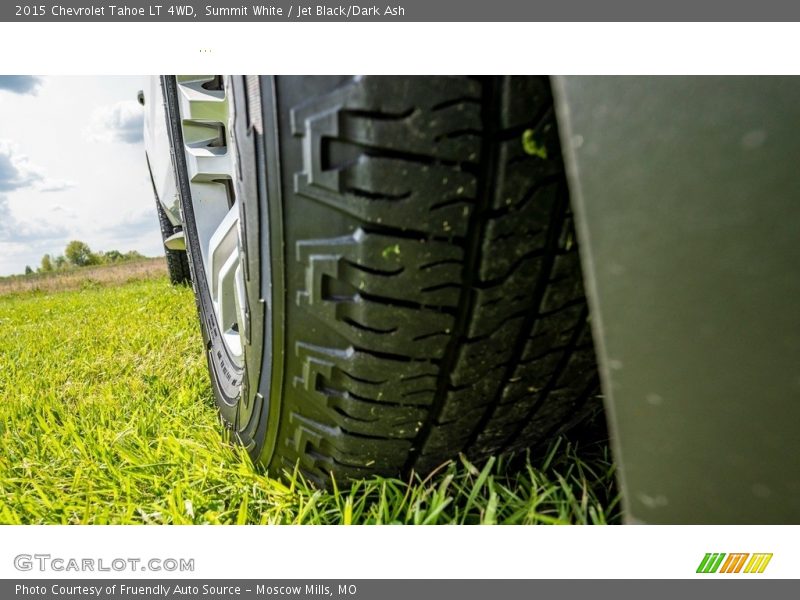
x=206 y=115
x=223 y=253
x=201 y=103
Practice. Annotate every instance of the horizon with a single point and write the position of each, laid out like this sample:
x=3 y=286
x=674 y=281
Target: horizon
x=36 y=269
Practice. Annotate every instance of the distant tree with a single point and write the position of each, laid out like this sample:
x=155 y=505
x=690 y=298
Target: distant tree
x=47 y=264
x=59 y=262
x=28 y=270
x=79 y=254
x=133 y=255
x=113 y=256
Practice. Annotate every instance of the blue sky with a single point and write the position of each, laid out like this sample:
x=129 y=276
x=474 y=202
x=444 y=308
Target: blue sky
x=72 y=167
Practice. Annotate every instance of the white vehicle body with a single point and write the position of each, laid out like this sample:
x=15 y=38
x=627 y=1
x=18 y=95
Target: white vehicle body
x=157 y=148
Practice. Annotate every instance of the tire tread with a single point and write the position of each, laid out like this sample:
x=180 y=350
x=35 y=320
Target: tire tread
x=449 y=316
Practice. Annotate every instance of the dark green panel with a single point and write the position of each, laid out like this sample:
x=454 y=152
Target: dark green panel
x=687 y=191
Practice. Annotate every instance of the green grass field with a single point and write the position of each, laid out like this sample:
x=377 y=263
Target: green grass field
x=106 y=416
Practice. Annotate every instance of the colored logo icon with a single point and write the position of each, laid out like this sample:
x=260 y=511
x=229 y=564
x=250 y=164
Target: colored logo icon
x=719 y=562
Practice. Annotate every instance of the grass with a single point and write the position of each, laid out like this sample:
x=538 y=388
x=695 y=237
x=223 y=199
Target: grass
x=106 y=416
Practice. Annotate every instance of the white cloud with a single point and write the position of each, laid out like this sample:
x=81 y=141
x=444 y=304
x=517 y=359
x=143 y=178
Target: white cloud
x=55 y=185
x=17 y=230
x=120 y=122
x=17 y=172
x=24 y=236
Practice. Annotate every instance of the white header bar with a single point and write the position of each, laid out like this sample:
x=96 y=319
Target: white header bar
x=400 y=48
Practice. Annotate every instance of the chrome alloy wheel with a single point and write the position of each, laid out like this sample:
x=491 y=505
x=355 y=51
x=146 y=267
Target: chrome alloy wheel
x=206 y=119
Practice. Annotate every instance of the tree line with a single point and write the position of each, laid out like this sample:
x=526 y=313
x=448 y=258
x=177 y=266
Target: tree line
x=79 y=254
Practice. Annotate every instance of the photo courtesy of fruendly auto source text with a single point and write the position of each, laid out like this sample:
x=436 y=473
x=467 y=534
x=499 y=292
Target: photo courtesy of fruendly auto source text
x=537 y=265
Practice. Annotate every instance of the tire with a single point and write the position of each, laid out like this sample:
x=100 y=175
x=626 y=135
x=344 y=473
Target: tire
x=177 y=261
x=413 y=286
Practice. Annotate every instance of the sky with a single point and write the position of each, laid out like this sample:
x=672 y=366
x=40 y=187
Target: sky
x=72 y=167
